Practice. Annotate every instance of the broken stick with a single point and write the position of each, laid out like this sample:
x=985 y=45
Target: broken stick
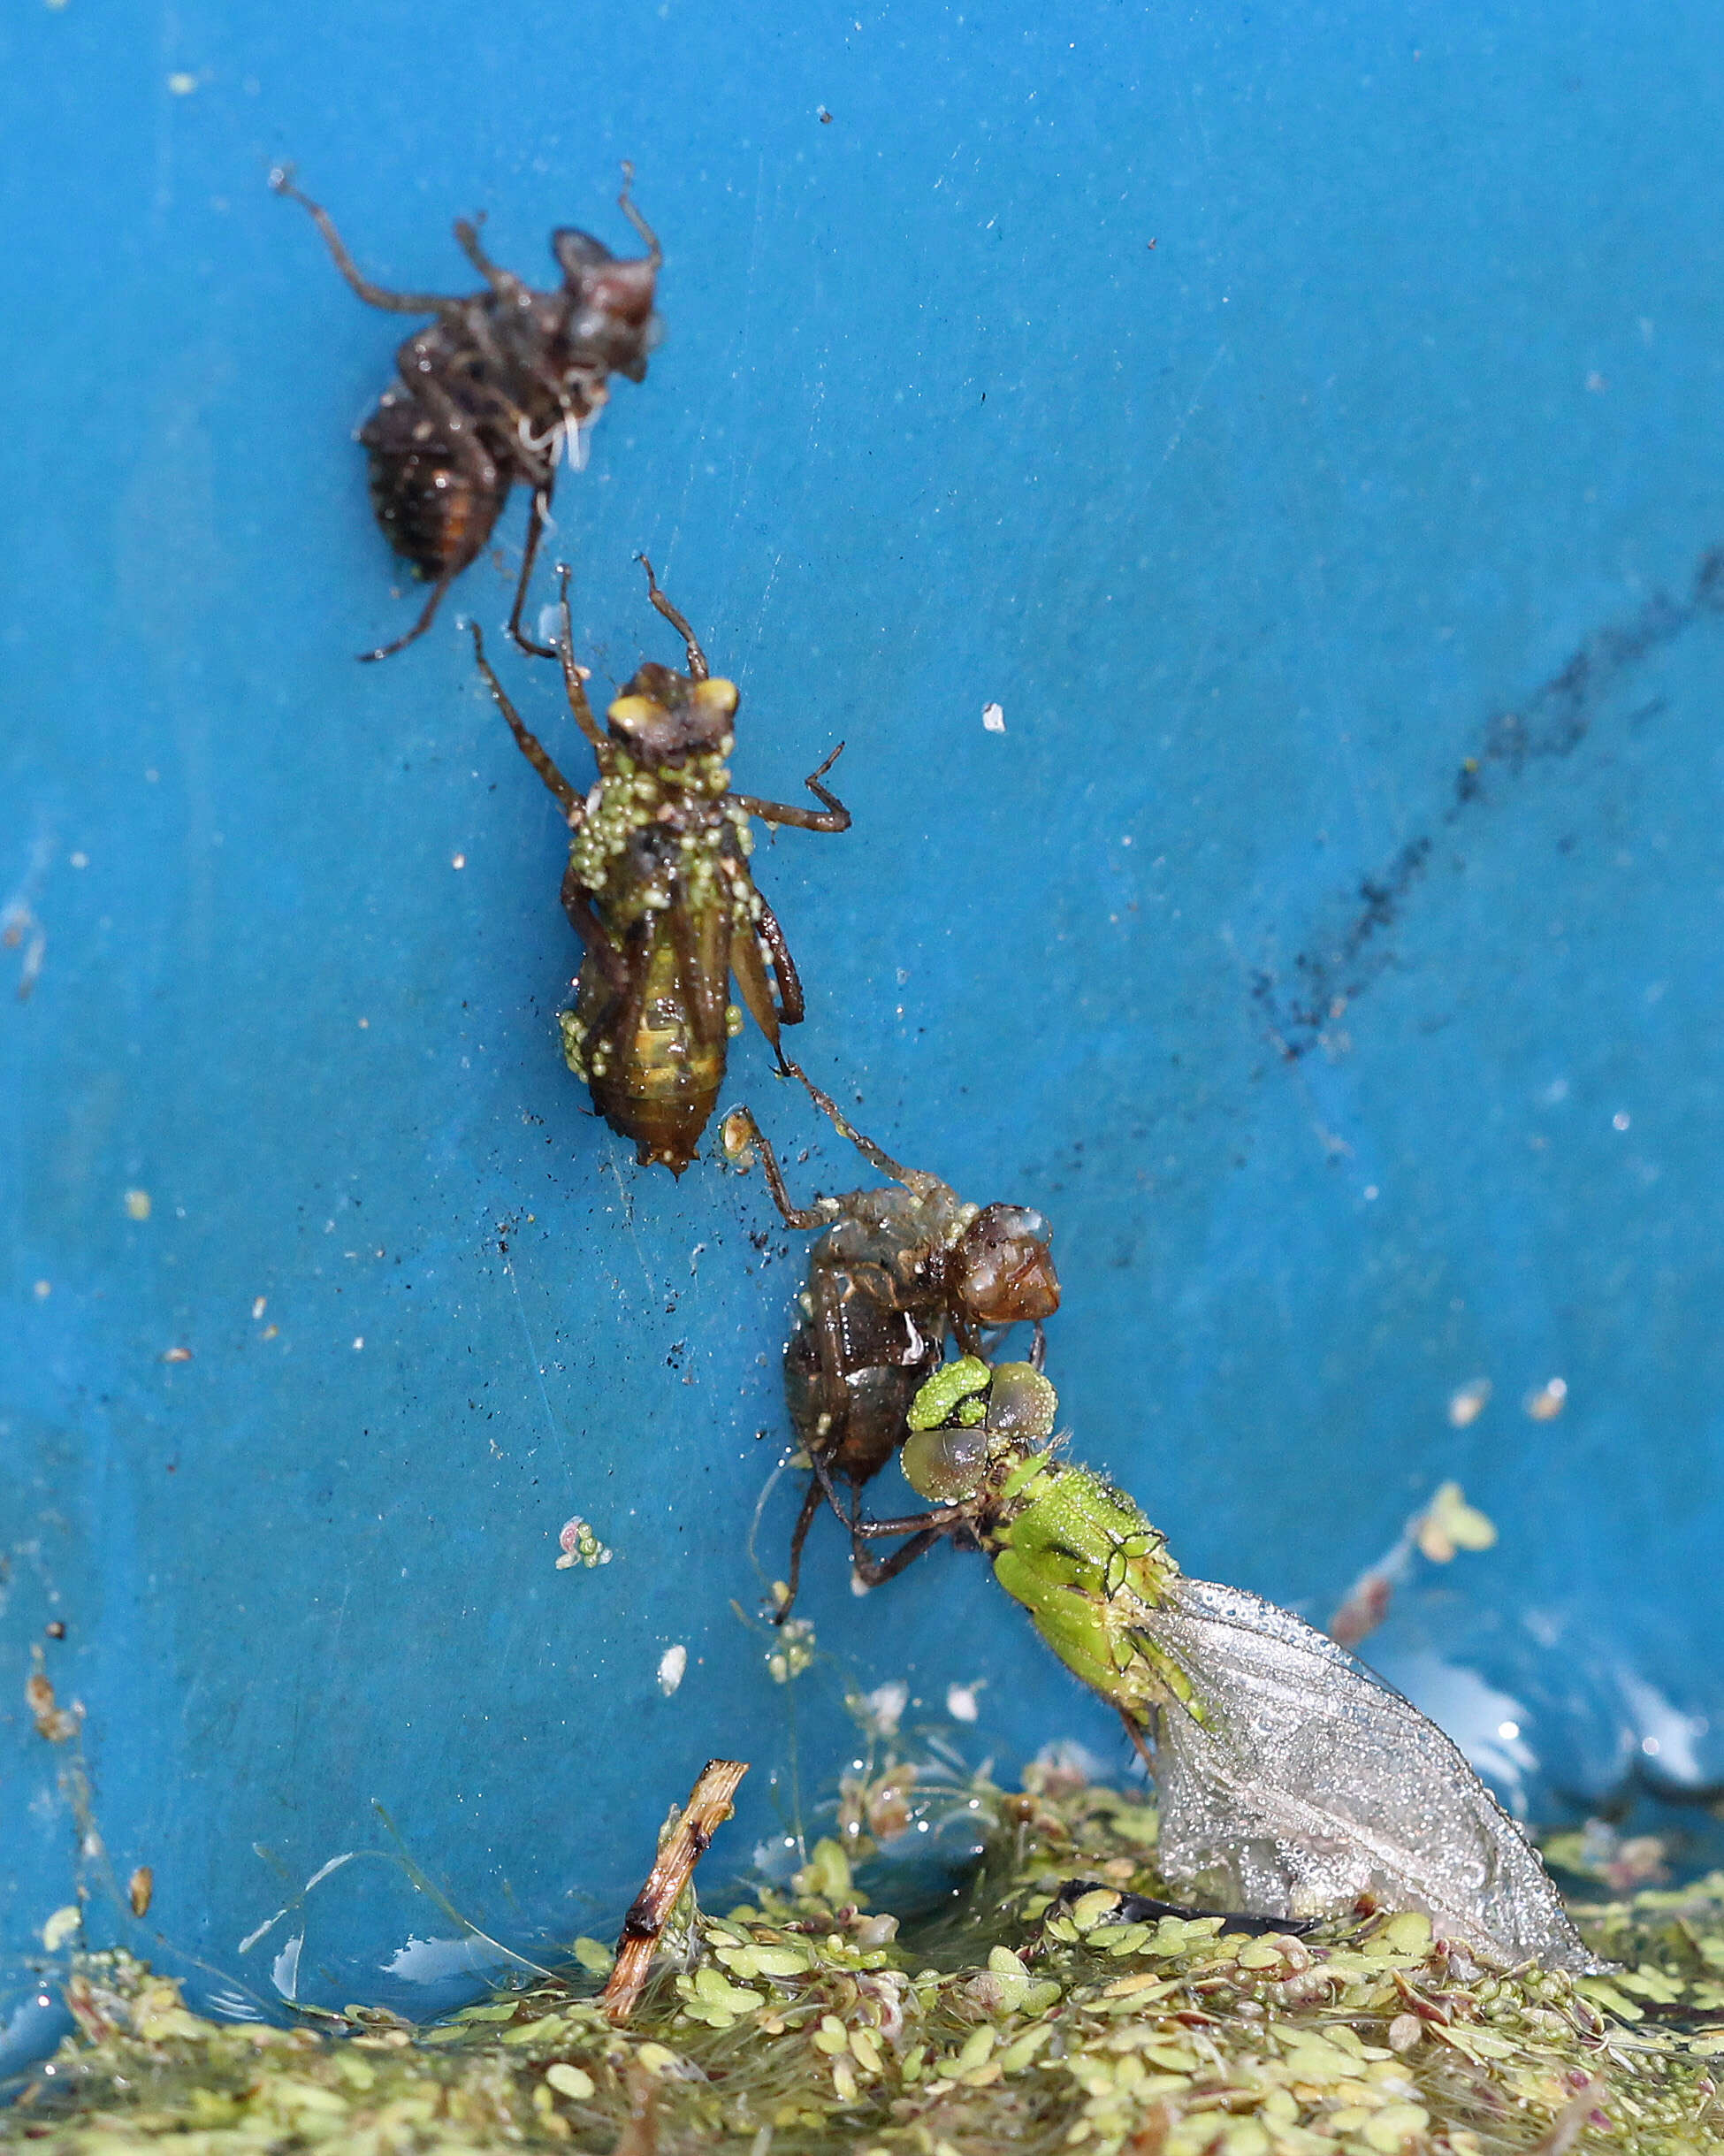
x=709 y=1806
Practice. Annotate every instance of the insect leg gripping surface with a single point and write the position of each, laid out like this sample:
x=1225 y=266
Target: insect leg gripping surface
x=538 y=518
x=374 y=295
x=833 y=816
x=526 y=740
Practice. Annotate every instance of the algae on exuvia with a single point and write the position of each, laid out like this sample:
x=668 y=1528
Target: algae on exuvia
x=659 y=890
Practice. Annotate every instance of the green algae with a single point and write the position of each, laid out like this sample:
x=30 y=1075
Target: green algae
x=1023 y=2019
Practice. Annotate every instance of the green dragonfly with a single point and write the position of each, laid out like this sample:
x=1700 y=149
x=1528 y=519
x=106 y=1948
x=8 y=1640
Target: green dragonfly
x=1291 y=1779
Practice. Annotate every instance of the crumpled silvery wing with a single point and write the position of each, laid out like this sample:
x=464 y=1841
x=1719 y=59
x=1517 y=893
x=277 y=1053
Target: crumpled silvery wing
x=1311 y=1781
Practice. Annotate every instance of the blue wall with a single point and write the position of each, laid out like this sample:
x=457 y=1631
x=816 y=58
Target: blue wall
x=1347 y=1074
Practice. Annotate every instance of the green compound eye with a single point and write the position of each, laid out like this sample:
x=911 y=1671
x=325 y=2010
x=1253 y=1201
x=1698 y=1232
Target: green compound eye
x=1022 y=1405
x=945 y=1465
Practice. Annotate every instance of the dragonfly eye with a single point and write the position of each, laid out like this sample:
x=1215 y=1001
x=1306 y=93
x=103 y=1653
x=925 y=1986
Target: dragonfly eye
x=1003 y=1271
x=945 y=1465
x=1022 y=1406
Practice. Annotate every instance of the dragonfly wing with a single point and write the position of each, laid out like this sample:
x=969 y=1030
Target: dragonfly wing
x=1310 y=1781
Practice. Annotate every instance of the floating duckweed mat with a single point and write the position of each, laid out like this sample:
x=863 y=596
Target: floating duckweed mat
x=1028 y=2019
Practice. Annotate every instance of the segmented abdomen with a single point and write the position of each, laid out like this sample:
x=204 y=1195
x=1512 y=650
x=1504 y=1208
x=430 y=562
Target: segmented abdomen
x=653 y=1053
x=432 y=511
x=884 y=1357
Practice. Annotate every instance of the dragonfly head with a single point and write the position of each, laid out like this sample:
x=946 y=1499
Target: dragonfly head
x=968 y=1418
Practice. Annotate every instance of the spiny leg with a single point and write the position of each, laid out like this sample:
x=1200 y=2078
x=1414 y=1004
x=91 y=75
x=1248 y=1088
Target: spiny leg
x=574 y=677
x=817 y=1461
x=374 y=295
x=625 y=201
x=870 y=1153
x=795 y=1216
x=749 y=968
x=834 y=817
x=941 y=1519
x=426 y=617
x=985 y=1342
x=791 y=1007
x=875 y=1572
x=1136 y=1735
x=536 y=520
x=925 y=1529
x=504 y=283
x=810 y=1505
x=698 y=666
x=527 y=741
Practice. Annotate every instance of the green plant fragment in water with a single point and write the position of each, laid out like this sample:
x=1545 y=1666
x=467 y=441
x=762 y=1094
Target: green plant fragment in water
x=801 y=2023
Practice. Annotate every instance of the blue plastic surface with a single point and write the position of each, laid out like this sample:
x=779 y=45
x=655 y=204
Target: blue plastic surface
x=1271 y=410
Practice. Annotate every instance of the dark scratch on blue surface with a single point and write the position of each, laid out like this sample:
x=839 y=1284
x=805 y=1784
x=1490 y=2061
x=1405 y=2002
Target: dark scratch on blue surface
x=1553 y=721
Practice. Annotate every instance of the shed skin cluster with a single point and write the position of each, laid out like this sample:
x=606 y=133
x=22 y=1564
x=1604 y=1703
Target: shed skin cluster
x=892 y=1276
x=663 y=856
x=1290 y=1780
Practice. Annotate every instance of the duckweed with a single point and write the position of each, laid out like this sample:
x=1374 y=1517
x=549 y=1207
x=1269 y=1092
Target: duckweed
x=801 y=2021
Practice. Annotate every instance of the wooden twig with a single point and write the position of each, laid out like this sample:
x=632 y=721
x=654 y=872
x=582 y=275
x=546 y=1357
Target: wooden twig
x=709 y=1807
